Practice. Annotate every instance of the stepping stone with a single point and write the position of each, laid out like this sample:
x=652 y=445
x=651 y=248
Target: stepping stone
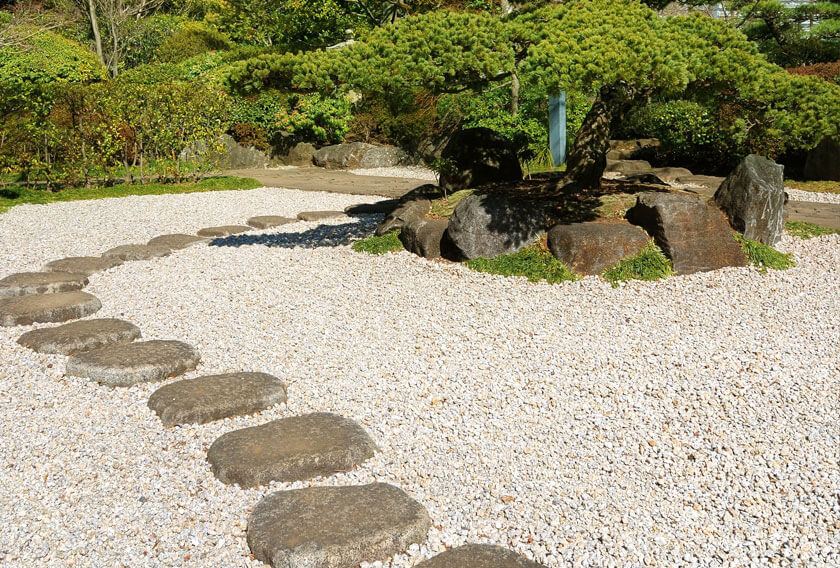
x=380 y=207
x=269 y=221
x=175 y=242
x=31 y=283
x=45 y=308
x=290 y=449
x=479 y=556
x=202 y=400
x=319 y=215
x=335 y=527
x=133 y=363
x=80 y=336
x=222 y=231
x=86 y=265
x=137 y=252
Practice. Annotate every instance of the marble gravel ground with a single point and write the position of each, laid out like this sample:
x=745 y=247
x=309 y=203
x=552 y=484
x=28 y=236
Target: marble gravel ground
x=687 y=422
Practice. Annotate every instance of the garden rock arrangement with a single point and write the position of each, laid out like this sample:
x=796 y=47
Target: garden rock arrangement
x=137 y=252
x=80 y=336
x=44 y=308
x=222 y=231
x=86 y=265
x=134 y=363
x=359 y=155
x=30 y=283
x=753 y=197
x=176 y=241
x=590 y=248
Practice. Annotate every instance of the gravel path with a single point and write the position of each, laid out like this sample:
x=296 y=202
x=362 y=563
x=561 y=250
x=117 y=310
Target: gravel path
x=813 y=196
x=689 y=421
x=408 y=172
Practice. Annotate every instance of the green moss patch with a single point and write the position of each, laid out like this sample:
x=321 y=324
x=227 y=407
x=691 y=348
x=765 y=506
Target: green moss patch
x=379 y=245
x=534 y=263
x=444 y=206
x=763 y=256
x=805 y=230
x=648 y=264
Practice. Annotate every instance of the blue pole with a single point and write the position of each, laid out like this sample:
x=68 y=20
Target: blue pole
x=557 y=128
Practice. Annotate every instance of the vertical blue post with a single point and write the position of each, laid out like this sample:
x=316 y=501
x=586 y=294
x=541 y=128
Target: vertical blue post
x=557 y=128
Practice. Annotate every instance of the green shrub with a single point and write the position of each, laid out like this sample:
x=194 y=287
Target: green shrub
x=316 y=118
x=147 y=35
x=648 y=264
x=533 y=262
x=379 y=245
x=763 y=256
x=805 y=230
x=194 y=38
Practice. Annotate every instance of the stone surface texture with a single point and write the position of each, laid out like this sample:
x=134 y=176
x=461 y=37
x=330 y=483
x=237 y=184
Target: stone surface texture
x=628 y=167
x=290 y=449
x=479 y=556
x=175 y=241
x=80 y=336
x=359 y=155
x=31 y=283
x=410 y=211
x=269 y=221
x=86 y=265
x=222 y=231
x=319 y=215
x=335 y=527
x=137 y=252
x=134 y=363
x=590 y=248
x=693 y=234
x=213 y=397
x=384 y=207
x=47 y=308
x=479 y=156
x=300 y=155
x=425 y=237
x=753 y=198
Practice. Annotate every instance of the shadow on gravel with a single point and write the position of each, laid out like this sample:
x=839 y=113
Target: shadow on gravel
x=320 y=236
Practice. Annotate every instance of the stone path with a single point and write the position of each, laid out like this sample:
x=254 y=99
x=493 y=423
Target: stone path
x=319 y=215
x=32 y=283
x=479 y=556
x=86 y=265
x=137 y=252
x=133 y=363
x=223 y=231
x=46 y=308
x=269 y=221
x=176 y=241
x=80 y=336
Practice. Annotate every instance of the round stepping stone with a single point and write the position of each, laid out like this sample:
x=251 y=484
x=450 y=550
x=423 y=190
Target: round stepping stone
x=176 y=241
x=80 y=336
x=290 y=449
x=31 y=283
x=133 y=363
x=319 y=215
x=45 y=308
x=380 y=207
x=268 y=221
x=202 y=400
x=222 y=231
x=335 y=527
x=479 y=556
x=86 y=265
x=137 y=252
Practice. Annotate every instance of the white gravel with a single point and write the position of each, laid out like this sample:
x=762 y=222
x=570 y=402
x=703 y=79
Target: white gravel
x=813 y=196
x=692 y=421
x=409 y=172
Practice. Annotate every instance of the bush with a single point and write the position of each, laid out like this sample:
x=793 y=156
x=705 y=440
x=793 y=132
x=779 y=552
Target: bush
x=534 y=263
x=192 y=39
x=316 y=118
x=147 y=35
x=649 y=264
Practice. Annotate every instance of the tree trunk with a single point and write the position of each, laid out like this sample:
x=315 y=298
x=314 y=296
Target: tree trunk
x=514 y=94
x=97 y=37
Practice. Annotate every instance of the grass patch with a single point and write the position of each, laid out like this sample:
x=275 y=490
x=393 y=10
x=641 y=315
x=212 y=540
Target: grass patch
x=648 y=264
x=764 y=257
x=805 y=230
x=9 y=197
x=534 y=263
x=443 y=207
x=818 y=186
x=379 y=245
x=615 y=205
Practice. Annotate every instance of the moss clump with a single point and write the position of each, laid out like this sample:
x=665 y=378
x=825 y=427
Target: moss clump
x=534 y=263
x=805 y=230
x=379 y=245
x=444 y=206
x=763 y=256
x=648 y=264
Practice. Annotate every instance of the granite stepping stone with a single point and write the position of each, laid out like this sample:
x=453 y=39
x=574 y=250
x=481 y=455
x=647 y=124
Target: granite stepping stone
x=479 y=556
x=385 y=207
x=31 y=283
x=319 y=215
x=202 y=400
x=176 y=241
x=134 y=363
x=137 y=252
x=269 y=221
x=86 y=265
x=223 y=231
x=335 y=527
x=290 y=449
x=46 y=308
x=80 y=336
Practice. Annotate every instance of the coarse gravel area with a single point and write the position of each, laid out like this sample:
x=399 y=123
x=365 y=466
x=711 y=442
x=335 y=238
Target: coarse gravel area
x=812 y=196
x=408 y=172
x=691 y=421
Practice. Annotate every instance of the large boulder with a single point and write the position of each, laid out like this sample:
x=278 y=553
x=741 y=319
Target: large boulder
x=692 y=233
x=408 y=212
x=359 y=155
x=478 y=156
x=590 y=248
x=425 y=237
x=753 y=197
x=300 y=155
x=487 y=225
x=823 y=162
x=628 y=167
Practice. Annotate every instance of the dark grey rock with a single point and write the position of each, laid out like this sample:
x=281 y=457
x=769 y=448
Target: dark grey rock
x=176 y=241
x=80 y=336
x=386 y=206
x=384 y=157
x=86 y=265
x=205 y=399
x=424 y=237
x=132 y=363
x=591 y=248
x=628 y=167
x=222 y=231
x=341 y=156
x=823 y=162
x=693 y=234
x=31 y=283
x=290 y=449
x=490 y=224
x=319 y=215
x=408 y=212
x=300 y=155
x=753 y=197
x=670 y=174
x=703 y=185
x=479 y=556
x=335 y=527
x=478 y=156
x=269 y=221
x=47 y=308
x=137 y=252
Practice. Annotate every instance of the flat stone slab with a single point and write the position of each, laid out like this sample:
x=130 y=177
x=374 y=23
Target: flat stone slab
x=335 y=527
x=46 y=308
x=137 y=252
x=80 y=336
x=383 y=207
x=269 y=221
x=176 y=241
x=86 y=265
x=31 y=283
x=479 y=556
x=319 y=215
x=133 y=363
x=222 y=231
x=202 y=400
x=290 y=449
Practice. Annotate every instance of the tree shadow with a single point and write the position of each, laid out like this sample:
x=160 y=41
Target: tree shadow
x=316 y=237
